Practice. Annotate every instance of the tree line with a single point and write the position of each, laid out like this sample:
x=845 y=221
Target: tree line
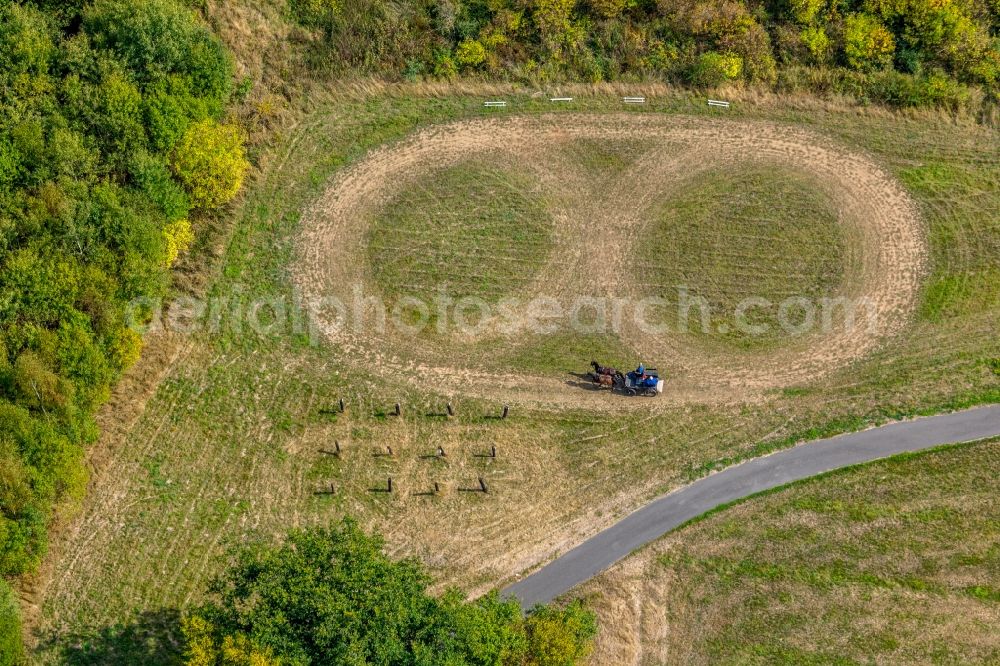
x=112 y=145
x=903 y=52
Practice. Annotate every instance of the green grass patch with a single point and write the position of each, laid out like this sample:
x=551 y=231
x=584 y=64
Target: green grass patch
x=757 y=232
x=469 y=230
x=605 y=159
x=566 y=352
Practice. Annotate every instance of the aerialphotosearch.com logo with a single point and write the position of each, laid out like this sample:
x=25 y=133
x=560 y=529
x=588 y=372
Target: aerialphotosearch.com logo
x=470 y=316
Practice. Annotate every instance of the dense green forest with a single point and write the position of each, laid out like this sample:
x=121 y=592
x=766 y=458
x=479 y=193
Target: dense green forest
x=904 y=52
x=110 y=141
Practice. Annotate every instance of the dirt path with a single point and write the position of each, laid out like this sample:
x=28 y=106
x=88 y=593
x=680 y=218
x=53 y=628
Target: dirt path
x=603 y=220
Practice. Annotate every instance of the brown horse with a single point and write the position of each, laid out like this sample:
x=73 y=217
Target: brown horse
x=603 y=369
x=606 y=376
x=605 y=381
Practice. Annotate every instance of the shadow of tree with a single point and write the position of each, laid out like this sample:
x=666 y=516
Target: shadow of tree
x=153 y=639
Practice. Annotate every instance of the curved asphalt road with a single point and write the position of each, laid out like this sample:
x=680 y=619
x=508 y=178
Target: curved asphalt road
x=668 y=512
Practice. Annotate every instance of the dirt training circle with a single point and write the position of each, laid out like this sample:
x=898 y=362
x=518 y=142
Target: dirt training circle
x=595 y=226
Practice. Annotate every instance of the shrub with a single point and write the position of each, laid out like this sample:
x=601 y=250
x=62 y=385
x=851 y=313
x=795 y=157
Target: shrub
x=205 y=649
x=178 y=238
x=712 y=69
x=313 y=13
x=805 y=11
x=560 y=637
x=210 y=161
x=552 y=17
x=11 y=647
x=816 y=42
x=116 y=114
x=154 y=180
x=26 y=43
x=444 y=65
x=867 y=43
x=610 y=8
x=470 y=53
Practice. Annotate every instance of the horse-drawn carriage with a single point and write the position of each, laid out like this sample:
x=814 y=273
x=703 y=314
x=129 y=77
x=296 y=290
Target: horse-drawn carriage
x=647 y=382
x=641 y=381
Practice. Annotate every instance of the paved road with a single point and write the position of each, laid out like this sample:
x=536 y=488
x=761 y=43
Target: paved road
x=668 y=512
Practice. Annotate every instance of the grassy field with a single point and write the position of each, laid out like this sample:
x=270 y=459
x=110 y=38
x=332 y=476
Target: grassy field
x=227 y=449
x=765 y=232
x=894 y=562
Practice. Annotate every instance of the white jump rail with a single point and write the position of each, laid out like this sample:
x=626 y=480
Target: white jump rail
x=718 y=103
x=634 y=100
x=560 y=99
x=495 y=104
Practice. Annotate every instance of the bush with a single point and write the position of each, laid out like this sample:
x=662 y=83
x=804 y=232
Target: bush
x=153 y=178
x=314 y=13
x=805 y=11
x=11 y=646
x=209 y=160
x=26 y=41
x=713 y=69
x=867 y=43
x=560 y=637
x=470 y=53
x=178 y=237
x=444 y=65
x=817 y=43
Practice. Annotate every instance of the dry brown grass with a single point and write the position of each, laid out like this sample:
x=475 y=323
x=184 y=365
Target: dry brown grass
x=880 y=564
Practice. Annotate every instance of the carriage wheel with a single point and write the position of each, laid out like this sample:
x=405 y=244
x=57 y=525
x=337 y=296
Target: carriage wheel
x=630 y=391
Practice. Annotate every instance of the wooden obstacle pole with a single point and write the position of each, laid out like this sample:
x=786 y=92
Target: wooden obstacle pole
x=399 y=410
x=331 y=491
x=506 y=410
x=448 y=408
x=335 y=452
x=493 y=451
x=389 y=485
x=341 y=405
x=388 y=450
x=440 y=452
x=482 y=485
x=437 y=488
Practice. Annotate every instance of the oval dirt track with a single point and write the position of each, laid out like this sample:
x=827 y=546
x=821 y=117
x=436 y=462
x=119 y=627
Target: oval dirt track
x=884 y=223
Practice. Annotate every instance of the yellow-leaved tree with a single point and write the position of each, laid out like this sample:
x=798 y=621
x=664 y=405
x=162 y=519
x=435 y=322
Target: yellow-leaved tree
x=204 y=649
x=867 y=43
x=210 y=162
x=178 y=238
